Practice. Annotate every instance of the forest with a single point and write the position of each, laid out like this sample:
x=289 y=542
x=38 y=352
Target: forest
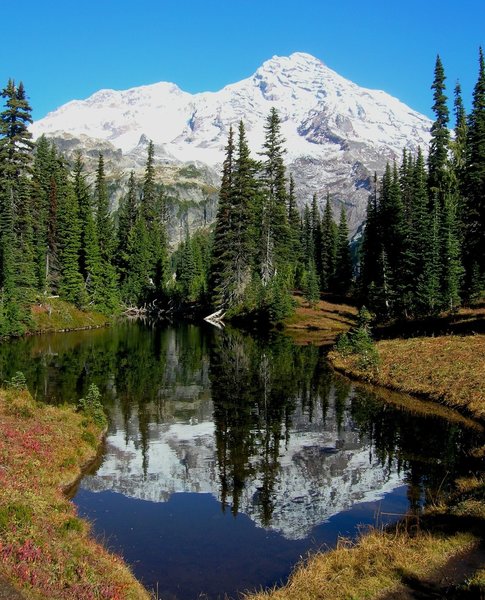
x=422 y=250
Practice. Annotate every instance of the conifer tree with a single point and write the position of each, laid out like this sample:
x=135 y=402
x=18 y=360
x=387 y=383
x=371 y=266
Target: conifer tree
x=440 y=135
x=274 y=224
x=461 y=132
x=343 y=263
x=474 y=187
x=329 y=247
x=71 y=285
x=220 y=257
x=294 y=226
x=16 y=140
x=41 y=180
x=104 y=219
x=310 y=285
x=152 y=215
x=127 y=215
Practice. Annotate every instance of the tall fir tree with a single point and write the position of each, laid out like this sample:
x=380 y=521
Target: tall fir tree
x=343 y=264
x=274 y=237
x=474 y=189
x=16 y=143
x=329 y=247
x=220 y=257
x=440 y=135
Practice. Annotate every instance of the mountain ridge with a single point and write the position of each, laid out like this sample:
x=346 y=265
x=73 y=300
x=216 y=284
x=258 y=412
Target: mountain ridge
x=337 y=133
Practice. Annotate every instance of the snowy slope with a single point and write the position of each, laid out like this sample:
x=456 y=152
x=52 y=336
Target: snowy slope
x=337 y=133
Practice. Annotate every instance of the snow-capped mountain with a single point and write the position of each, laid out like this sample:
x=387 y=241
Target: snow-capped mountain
x=337 y=133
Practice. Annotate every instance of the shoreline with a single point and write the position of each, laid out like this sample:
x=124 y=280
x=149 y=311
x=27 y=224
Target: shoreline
x=46 y=549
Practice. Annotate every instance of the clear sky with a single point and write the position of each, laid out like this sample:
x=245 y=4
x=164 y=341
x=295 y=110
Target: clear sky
x=67 y=49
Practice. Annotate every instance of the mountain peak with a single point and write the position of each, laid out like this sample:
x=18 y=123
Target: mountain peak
x=337 y=133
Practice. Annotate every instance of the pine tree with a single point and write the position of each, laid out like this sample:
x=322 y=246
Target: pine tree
x=329 y=247
x=137 y=283
x=310 y=285
x=41 y=180
x=274 y=224
x=71 y=285
x=86 y=210
x=127 y=215
x=220 y=256
x=342 y=280
x=440 y=135
x=152 y=215
x=461 y=132
x=294 y=228
x=16 y=140
x=104 y=219
x=474 y=187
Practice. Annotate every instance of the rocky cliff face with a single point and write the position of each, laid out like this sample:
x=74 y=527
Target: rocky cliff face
x=337 y=133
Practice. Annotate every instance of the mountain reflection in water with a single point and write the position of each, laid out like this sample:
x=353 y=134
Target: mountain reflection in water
x=264 y=428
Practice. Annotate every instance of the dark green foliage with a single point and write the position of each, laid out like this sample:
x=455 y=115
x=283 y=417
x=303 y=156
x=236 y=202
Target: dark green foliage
x=274 y=234
x=17 y=382
x=92 y=407
x=16 y=140
x=474 y=186
x=310 y=284
x=342 y=279
x=358 y=341
x=440 y=135
x=329 y=248
x=71 y=285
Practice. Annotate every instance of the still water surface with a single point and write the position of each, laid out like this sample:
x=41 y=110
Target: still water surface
x=228 y=458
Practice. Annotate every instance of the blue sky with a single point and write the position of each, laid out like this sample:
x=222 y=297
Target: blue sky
x=63 y=50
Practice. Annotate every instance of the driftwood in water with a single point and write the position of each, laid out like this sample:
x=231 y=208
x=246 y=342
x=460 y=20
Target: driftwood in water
x=216 y=318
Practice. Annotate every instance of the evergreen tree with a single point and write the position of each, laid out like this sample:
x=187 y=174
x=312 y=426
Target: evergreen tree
x=104 y=219
x=152 y=214
x=474 y=187
x=294 y=228
x=329 y=247
x=461 y=132
x=343 y=264
x=137 y=282
x=127 y=215
x=71 y=285
x=16 y=140
x=310 y=285
x=274 y=225
x=440 y=135
x=220 y=251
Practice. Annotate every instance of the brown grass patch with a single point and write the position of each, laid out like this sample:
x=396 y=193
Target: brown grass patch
x=378 y=563
x=319 y=324
x=447 y=369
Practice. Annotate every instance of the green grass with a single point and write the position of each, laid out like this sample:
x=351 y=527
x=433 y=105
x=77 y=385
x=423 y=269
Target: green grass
x=53 y=314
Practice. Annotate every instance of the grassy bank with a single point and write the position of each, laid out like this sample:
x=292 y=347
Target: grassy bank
x=390 y=565
x=318 y=324
x=54 y=314
x=441 y=554
x=446 y=369
x=45 y=550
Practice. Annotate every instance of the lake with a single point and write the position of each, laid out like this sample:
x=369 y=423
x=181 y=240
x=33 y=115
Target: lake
x=229 y=458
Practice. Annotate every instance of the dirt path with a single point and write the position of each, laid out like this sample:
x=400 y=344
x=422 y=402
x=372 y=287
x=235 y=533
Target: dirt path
x=444 y=583
x=7 y=592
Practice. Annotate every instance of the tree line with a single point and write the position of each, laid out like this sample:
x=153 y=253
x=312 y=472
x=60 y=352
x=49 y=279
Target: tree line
x=422 y=250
